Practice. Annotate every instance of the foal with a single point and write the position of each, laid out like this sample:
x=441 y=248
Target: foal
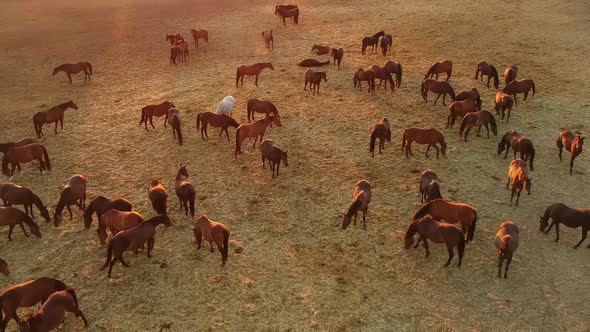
x=360 y=201
x=573 y=143
x=506 y=242
x=380 y=130
x=274 y=155
x=53 y=312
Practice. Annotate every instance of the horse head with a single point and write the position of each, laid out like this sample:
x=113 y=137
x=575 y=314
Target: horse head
x=72 y=105
x=543 y=222
x=409 y=237
x=284 y=158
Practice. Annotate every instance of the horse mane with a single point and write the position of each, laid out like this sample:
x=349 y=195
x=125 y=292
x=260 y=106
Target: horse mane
x=424 y=210
x=505 y=240
x=356 y=204
x=494 y=74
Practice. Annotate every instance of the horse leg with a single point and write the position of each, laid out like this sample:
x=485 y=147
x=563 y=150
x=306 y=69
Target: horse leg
x=518 y=196
x=437 y=98
x=427 y=149
x=526 y=94
x=572 y=164
x=418 y=242
x=512 y=195
x=256 y=138
x=509 y=110
x=263 y=160
x=61 y=123
x=584 y=234
x=508 y=261
x=70 y=78
x=500 y=263
x=444 y=98
x=410 y=149
x=152 y=122
x=23 y=228
x=256 y=81
x=10 y=228
x=150 y=246
x=425 y=241
x=355 y=214
x=56 y=123
x=70 y=211
x=556 y=231
x=451 y=254
x=437 y=150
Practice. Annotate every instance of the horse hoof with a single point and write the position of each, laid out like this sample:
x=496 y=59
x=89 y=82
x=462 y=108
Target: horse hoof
x=575 y=247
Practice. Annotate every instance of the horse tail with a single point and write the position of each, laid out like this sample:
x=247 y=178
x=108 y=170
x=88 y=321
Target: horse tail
x=462 y=128
x=373 y=139
x=237 y=142
x=237 y=76
x=89 y=67
x=225 y=245
x=192 y=205
x=533 y=88
x=73 y=293
x=461 y=246
x=398 y=75
x=198 y=121
x=471 y=231
x=493 y=124
x=532 y=157
x=403 y=141
x=143 y=117
x=477 y=71
x=46 y=156
x=423 y=211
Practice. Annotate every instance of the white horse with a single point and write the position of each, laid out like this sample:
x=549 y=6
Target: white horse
x=226 y=106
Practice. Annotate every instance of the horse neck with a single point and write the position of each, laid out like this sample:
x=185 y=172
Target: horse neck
x=37 y=201
x=90 y=209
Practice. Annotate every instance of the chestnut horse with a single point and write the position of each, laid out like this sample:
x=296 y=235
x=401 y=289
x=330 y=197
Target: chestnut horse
x=148 y=112
x=185 y=191
x=386 y=42
x=472 y=95
x=459 y=108
x=487 y=69
x=518 y=178
x=75 y=68
x=212 y=232
x=520 y=144
x=383 y=74
x=481 y=118
x=573 y=143
x=437 y=232
x=11 y=216
x=158 y=195
x=522 y=86
x=314 y=78
x=274 y=155
x=73 y=193
x=360 y=201
x=382 y=131
x=570 y=217
x=337 y=55
x=256 y=129
x=371 y=41
x=117 y=221
x=260 y=106
x=394 y=68
x=506 y=242
x=503 y=102
x=53 y=312
x=510 y=74
x=253 y=70
x=25 y=154
x=201 y=33
x=428 y=136
x=268 y=39
x=451 y=213
x=5 y=271
x=5 y=147
x=215 y=120
x=13 y=194
x=173 y=118
x=364 y=75
x=429 y=186
x=54 y=114
x=286 y=13
x=320 y=49
x=441 y=88
x=101 y=204
x=444 y=66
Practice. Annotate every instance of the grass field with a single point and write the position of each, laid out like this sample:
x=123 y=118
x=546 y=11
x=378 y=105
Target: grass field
x=291 y=267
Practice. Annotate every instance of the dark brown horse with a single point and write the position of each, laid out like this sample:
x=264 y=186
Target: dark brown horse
x=570 y=217
x=185 y=191
x=314 y=78
x=383 y=74
x=13 y=194
x=522 y=86
x=371 y=41
x=440 y=88
x=518 y=143
x=5 y=271
x=472 y=95
x=503 y=102
x=284 y=13
x=361 y=198
x=174 y=38
x=173 y=118
x=394 y=68
x=212 y=232
x=53 y=312
x=158 y=196
x=381 y=131
x=518 y=179
x=256 y=129
x=25 y=154
x=215 y=120
x=437 y=232
x=487 y=69
x=75 y=68
x=201 y=33
x=428 y=136
x=364 y=75
x=444 y=66
x=312 y=63
x=117 y=221
x=11 y=216
x=320 y=49
x=479 y=119
x=73 y=193
x=459 y=108
x=283 y=7
x=268 y=39
x=451 y=213
x=253 y=70
x=54 y=114
x=510 y=74
x=255 y=105
x=148 y=112
x=101 y=204
x=274 y=155
x=5 y=147
x=337 y=54
x=572 y=142
x=386 y=42
x=429 y=186
x=507 y=240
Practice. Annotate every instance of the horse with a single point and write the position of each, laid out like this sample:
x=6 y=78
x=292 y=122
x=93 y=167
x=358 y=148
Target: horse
x=133 y=239
x=284 y=13
x=452 y=213
x=361 y=198
x=101 y=204
x=201 y=33
x=394 y=68
x=12 y=194
x=173 y=118
x=25 y=154
x=5 y=271
x=507 y=239
x=183 y=45
x=212 y=231
x=11 y=216
x=260 y=106
x=75 y=68
x=53 y=312
x=54 y=114
x=255 y=129
x=573 y=143
x=215 y=120
x=522 y=86
x=481 y=118
x=159 y=110
x=437 y=232
x=459 y=108
x=320 y=49
x=284 y=7
x=268 y=39
x=226 y=105
x=503 y=102
x=386 y=42
x=158 y=196
x=444 y=66
x=441 y=88
x=337 y=54
x=5 y=147
x=73 y=193
x=26 y=295
x=383 y=74
x=428 y=136
x=117 y=221
x=382 y=131
x=520 y=144
x=176 y=53
x=371 y=41
x=173 y=38
x=185 y=191
x=472 y=95
x=314 y=78
x=518 y=178
x=274 y=155
x=570 y=217
x=364 y=75
x=312 y=63
x=429 y=186
x=510 y=74
x=253 y=70
x=487 y=69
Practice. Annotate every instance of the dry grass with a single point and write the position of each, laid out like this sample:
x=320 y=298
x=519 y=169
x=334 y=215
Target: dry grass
x=291 y=267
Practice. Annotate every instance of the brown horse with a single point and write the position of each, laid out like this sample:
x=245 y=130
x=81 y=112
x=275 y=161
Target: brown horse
x=117 y=221
x=386 y=42
x=26 y=295
x=320 y=49
x=274 y=155
x=371 y=41
x=215 y=120
x=185 y=191
x=5 y=271
x=451 y=213
x=441 y=88
x=53 y=312
x=520 y=144
x=487 y=69
x=5 y=147
x=522 y=86
x=54 y=114
x=212 y=232
x=337 y=54
x=284 y=7
x=173 y=118
x=253 y=70
x=503 y=102
x=382 y=131
x=148 y=112
x=472 y=95
x=158 y=196
x=201 y=33
x=481 y=118
x=459 y=108
x=428 y=136
x=429 y=186
x=75 y=68
x=260 y=106
x=394 y=68
x=510 y=74
x=383 y=74
x=312 y=63
x=11 y=216
x=314 y=78
x=176 y=54
x=360 y=201
x=256 y=129
x=573 y=143
x=25 y=154
x=268 y=39
x=101 y=204
x=444 y=66
x=506 y=242
x=437 y=232
x=12 y=194
x=133 y=239
x=173 y=38
x=518 y=178
x=73 y=193
x=364 y=75
x=284 y=13
x=570 y=217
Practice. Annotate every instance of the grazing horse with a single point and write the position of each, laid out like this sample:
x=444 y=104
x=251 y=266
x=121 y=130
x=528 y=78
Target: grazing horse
x=472 y=95
x=382 y=74
x=428 y=136
x=394 y=68
x=284 y=13
x=506 y=242
x=360 y=201
x=520 y=144
x=226 y=105
x=75 y=68
x=573 y=143
x=11 y=216
x=364 y=75
x=201 y=33
x=444 y=66
x=159 y=110
x=314 y=78
x=459 y=108
x=175 y=123
x=260 y=106
x=386 y=43
x=117 y=221
x=518 y=178
x=54 y=114
x=253 y=70
x=487 y=69
x=522 y=86
x=371 y=41
x=503 y=102
x=133 y=239
x=13 y=194
x=510 y=74
x=185 y=191
x=5 y=147
x=268 y=39
x=570 y=217
x=73 y=193
x=212 y=232
x=53 y=312
x=25 y=154
x=274 y=155
x=451 y=213
x=256 y=129
x=481 y=118
x=441 y=88
x=382 y=131
x=320 y=49
x=158 y=196
x=337 y=54
x=429 y=186
x=437 y=232
x=312 y=63
x=215 y=120
x=5 y=271
x=101 y=204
